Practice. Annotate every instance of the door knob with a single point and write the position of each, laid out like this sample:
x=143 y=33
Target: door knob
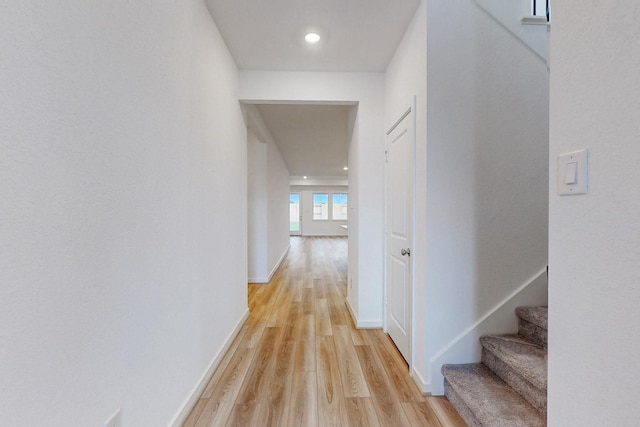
x=406 y=252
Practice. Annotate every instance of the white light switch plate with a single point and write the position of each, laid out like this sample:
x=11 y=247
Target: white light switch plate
x=579 y=161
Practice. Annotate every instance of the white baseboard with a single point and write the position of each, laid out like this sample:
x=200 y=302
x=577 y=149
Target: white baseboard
x=188 y=405
x=273 y=270
x=277 y=266
x=363 y=324
x=368 y=324
x=501 y=319
x=423 y=386
x=351 y=312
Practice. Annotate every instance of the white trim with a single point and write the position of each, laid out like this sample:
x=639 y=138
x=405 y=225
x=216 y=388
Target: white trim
x=534 y=20
x=415 y=253
x=362 y=324
x=277 y=266
x=496 y=11
x=405 y=114
x=294 y=101
x=351 y=312
x=410 y=110
x=487 y=315
x=190 y=402
x=423 y=386
x=532 y=292
x=265 y=280
x=369 y=324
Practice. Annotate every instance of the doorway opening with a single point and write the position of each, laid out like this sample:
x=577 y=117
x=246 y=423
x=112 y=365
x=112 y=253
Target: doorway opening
x=298 y=175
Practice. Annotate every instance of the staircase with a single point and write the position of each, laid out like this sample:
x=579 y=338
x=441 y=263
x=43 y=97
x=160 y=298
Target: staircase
x=509 y=386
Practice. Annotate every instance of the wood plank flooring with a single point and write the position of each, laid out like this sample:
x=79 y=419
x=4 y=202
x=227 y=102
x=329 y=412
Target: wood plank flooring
x=299 y=361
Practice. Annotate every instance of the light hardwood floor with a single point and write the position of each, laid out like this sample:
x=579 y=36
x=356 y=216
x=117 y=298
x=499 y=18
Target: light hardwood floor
x=299 y=361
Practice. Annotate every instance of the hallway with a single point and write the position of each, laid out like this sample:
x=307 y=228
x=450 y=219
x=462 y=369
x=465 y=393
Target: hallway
x=299 y=361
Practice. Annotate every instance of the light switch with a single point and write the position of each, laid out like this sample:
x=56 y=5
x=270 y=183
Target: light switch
x=570 y=176
x=573 y=173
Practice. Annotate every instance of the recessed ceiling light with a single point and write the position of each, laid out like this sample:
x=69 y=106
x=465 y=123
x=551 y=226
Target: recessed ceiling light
x=346 y=168
x=312 y=38
x=304 y=177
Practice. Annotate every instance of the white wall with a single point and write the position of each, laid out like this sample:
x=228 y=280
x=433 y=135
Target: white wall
x=120 y=135
x=322 y=181
x=268 y=204
x=278 y=207
x=366 y=157
x=257 y=209
x=353 y=250
x=509 y=13
x=486 y=182
x=311 y=227
x=594 y=239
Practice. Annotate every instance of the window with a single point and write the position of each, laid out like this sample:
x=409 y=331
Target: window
x=540 y=8
x=320 y=206
x=339 y=206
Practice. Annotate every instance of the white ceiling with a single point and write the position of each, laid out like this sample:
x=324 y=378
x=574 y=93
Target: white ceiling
x=357 y=35
x=313 y=139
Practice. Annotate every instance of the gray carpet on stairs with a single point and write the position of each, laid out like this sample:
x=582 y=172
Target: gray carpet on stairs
x=532 y=324
x=489 y=401
x=520 y=363
x=509 y=387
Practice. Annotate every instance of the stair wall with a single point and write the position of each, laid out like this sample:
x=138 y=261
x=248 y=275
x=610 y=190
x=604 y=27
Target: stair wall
x=465 y=347
x=509 y=14
x=486 y=226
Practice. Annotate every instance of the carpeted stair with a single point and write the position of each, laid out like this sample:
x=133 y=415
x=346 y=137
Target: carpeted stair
x=509 y=387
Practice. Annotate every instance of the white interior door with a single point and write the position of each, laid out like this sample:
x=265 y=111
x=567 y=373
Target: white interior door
x=400 y=175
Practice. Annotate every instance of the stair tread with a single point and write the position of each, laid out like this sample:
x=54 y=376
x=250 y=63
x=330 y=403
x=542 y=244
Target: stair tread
x=491 y=400
x=526 y=358
x=537 y=315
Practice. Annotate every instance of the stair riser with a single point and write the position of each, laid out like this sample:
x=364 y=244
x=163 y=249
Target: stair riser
x=462 y=409
x=509 y=387
x=532 y=332
x=535 y=396
x=483 y=399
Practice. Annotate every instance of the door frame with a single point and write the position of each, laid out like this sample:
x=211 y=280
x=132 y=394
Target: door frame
x=410 y=110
